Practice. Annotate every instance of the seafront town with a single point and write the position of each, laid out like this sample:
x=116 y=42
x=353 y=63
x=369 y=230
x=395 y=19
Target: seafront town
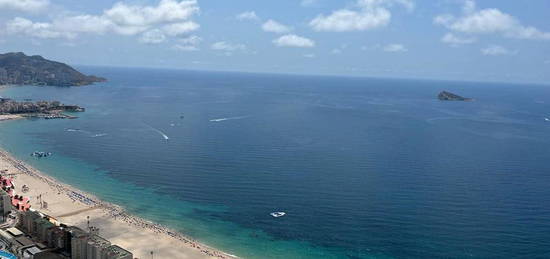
x=43 y=218
x=28 y=233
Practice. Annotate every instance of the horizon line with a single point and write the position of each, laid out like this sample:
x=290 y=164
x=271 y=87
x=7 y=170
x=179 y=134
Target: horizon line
x=537 y=83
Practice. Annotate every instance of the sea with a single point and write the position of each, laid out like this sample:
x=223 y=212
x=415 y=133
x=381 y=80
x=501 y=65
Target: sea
x=362 y=167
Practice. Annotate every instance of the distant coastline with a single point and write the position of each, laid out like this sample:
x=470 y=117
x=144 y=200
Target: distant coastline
x=19 y=69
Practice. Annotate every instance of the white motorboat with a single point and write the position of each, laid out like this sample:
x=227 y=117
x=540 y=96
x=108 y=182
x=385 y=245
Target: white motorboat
x=277 y=214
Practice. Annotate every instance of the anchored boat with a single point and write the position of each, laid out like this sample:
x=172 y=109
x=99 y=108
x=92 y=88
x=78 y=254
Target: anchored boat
x=41 y=154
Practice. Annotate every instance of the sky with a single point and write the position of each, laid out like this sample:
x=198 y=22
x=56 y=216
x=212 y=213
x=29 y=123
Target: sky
x=484 y=40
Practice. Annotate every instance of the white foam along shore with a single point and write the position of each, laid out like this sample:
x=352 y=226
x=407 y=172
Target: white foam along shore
x=71 y=206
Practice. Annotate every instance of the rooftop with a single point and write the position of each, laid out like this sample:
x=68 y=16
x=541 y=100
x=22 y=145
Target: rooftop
x=24 y=241
x=14 y=232
x=95 y=239
x=117 y=250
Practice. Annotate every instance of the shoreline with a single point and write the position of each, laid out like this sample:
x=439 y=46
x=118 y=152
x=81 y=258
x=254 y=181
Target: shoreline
x=68 y=203
x=7 y=117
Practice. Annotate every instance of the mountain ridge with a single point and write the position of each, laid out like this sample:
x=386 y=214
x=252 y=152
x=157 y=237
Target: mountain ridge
x=19 y=69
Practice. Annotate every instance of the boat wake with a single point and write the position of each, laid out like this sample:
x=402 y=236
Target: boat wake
x=158 y=131
x=91 y=134
x=229 y=118
x=80 y=130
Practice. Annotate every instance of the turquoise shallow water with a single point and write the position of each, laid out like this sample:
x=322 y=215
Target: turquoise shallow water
x=364 y=168
x=145 y=202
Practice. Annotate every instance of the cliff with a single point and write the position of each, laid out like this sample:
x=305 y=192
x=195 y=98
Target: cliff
x=447 y=96
x=19 y=69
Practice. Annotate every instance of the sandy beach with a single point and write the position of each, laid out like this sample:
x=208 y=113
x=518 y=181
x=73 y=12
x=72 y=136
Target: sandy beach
x=72 y=206
x=6 y=117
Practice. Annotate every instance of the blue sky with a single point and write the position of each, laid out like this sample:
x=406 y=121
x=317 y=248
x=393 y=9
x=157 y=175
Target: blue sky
x=440 y=39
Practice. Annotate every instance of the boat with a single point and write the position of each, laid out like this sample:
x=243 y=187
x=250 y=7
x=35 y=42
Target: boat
x=277 y=214
x=41 y=154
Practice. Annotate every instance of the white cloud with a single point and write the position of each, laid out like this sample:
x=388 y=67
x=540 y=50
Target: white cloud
x=188 y=44
x=292 y=40
x=191 y=40
x=250 y=16
x=395 y=48
x=128 y=30
x=347 y=20
x=496 y=50
x=174 y=17
x=178 y=29
x=226 y=46
x=155 y=36
x=274 y=26
x=454 y=40
x=38 y=30
x=166 y=11
x=371 y=47
x=489 y=21
x=367 y=14
x=24 y=5
x=310 y=55
x=83 y=24
x=185 y=47
x=444 y=19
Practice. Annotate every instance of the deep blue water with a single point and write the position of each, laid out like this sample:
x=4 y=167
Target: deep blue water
x=364 y=168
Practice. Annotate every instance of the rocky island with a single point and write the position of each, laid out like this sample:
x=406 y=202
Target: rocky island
x=447 y=96
x=16 y=68
x=42 y=109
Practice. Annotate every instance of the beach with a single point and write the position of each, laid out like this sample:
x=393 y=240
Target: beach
x=72 y=206
x=6 y=117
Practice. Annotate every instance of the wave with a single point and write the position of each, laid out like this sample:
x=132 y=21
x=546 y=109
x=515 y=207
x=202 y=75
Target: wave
x=72 y=130
x=546 y=119
x=99 y=135
x=228 y=118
